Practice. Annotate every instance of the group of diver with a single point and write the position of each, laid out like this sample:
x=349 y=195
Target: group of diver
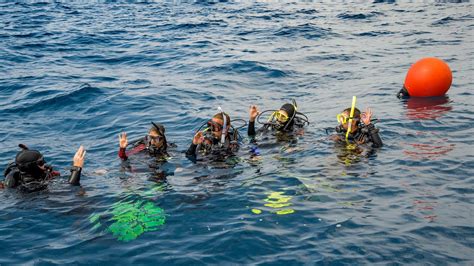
x=216 y=138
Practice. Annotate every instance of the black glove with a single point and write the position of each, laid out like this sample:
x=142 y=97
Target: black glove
x=75 y=176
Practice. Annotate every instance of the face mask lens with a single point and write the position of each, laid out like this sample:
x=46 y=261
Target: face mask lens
x=155 y=138
x=343 y=118
x=281 y=117
x=214 y=126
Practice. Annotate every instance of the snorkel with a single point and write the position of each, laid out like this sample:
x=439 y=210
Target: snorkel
x=351 y=116
x=295 y=107
x=224 y=127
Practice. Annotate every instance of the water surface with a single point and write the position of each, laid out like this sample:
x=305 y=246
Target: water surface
x=76 y=73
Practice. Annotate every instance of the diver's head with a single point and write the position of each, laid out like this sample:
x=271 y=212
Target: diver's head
x=216 y=124
x=156 y=136
x=31 y=163
x=344 y=117
x=285 y=116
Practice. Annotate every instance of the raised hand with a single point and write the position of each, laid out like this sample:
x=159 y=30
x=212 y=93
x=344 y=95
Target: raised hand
x=366 y=116
x=78 y=160
x=198 y=138
x=123 y=140
x=253 y=113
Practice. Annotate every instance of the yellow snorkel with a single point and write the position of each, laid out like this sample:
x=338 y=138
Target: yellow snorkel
x=351 y=115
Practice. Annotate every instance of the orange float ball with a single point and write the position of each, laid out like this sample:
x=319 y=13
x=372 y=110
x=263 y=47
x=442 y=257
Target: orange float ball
x=428 y=77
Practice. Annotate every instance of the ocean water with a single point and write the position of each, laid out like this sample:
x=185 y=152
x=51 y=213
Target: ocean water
x=82 y=72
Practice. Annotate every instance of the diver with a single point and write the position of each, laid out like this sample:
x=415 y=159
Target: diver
x=155 y=147
x=218 y=139
x=29 y=172
x=362 y=130
x=285 y=120
x=154 y=143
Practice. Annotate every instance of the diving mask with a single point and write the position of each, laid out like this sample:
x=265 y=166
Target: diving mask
x=344 y=118
x=281 y=116
x=155 y=138
x=213 y=126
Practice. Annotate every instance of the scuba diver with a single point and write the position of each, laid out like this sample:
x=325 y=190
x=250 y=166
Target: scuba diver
x=155 y=147
x=154 y=143
x=362 y=130
x=217 y=139
x=285 y=120
x=29 y=172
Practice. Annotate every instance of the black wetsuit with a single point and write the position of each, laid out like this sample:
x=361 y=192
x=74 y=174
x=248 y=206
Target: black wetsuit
x=366 y=134
x=212 y=147
x=29 y=182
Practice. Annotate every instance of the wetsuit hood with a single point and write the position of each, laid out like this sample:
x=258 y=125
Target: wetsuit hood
x=27 y=160
x=291 y=111
x=28 y=163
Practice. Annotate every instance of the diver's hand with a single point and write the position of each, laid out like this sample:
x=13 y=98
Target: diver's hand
x=253 y=112
x=78 y=160
x=198 y=138
x=366 y=116
x=123 y=140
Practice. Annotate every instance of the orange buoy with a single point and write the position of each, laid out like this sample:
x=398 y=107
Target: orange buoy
x=428 y=77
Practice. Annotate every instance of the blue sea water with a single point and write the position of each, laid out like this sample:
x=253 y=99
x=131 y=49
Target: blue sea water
x=76 y=73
